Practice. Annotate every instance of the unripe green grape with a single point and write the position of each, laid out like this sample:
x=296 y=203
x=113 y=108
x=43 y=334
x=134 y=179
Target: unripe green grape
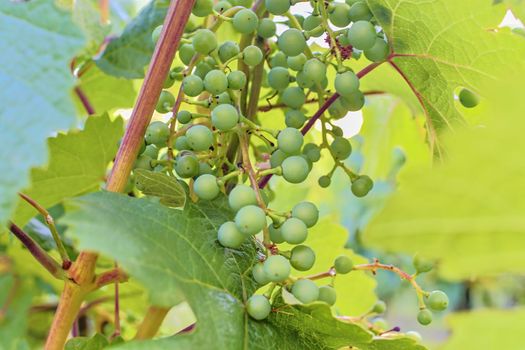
x=245 y=21
x=165 y=102
x=305 y=291
x=468 y=98
x=438 y=300
x=267 y=28
x=215 y=82
x=220 y=99
x=315 y=70
x=201 y=70
x=343 y=39
x=379 y=307
x=327 y=294
x=202 y=8
x=174 y=74
x=187 y=166
x=295 y=169
x=343 y=264
x=362 y=186
x=379 y=52
x=362 y=35
x=424 y=317
x=200 y=138
x=258 y=307
x=151 y=151
x=422 y=265
x=228 y=50
x=229 y=236
x=157 y=134
x=277 y=158
x=311 y=23
x=353 y=102
x=181 y=143
x=277 y=7
x=206 y=187
x=337 y=131
x=346 y=83
x=279 y=60
x=252 y=55
x=341 y=148
x=205 y=168
x=339 y=15
x=307 y=212
x=204 y=41
x=277 y=268
x=243 y=3
x=294 y=231
x=184 y=117
x=143 y=162
x=222 y=6
x=290 y=140
x=324 y=181
x=155 y=35
x=250 y=219
x=312 y=151
x=360 y=12
x=337 y=109
x=224 y=117
x=276 y=235
x=241 y=196
x=302 y=258
x=293 y=97
x=236 y=80
x=292 y=42
x=303 y=81
x=192 y=85
x=259 y=275
x=278 y=78
x=294 y=118
x=296 y=63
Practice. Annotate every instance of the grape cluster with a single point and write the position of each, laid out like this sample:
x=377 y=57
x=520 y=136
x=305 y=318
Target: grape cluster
x=216 y=141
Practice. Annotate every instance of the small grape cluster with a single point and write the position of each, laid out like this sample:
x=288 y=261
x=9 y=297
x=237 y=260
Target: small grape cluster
x=214 y=143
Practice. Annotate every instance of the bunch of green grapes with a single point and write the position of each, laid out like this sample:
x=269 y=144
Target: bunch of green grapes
x=216 y=142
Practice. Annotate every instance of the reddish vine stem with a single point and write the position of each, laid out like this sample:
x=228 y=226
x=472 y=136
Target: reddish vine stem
x=84 y=100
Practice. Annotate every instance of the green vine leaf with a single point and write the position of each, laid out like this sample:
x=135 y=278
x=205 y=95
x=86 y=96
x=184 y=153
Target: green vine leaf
x=86 y=16
x=126 y=56
x=36 y=96
x=428 y=55
x=78 y=163
x=96 y=342
x=167 y=188
x=171 y=250
x=15 y=298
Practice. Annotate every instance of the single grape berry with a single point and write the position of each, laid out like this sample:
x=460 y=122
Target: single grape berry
x=302 y=258
x=192 y=85
x=305 y=291
x=341 y=148
x=327 y=294
x=290 y=140
x=187 y=166
x=181 y=143
x=312 y=151
x=186 y=52
x=252 y=55
x=337 y=110
x=343 y=264
x=468 y=98
x=294 y=231
x=424 y=317
x=295 y=169
x=184 y=117
x=362 y=35
x=339 y=15
x=204 y=41
x=362 y=186
x=143 y=162
x=346 y=83
x=229 y=236
x=165 y=102
x=292 y=42
x=205 y=168
x=276 y=235
x=277 y=268
x=379 y=307
x=224 y=117
x=379 y=52
x=267 y=28
x=293 y=97
x=278 y=78
x=438 y=300
x=259 y=275
x=215 y=82
x=157 y=134
x=311 y=24
x=228 y=50
x=422 y=265
x=360 y=12
x=314 y=70
x=307 y=212
x=222 y=6
x=279 y=60
x=277 y=7
x=277 y=158
x=236 y=80
x=258 y=307
x=296 y=63
x=156 y=34
x=151 y=151
x=206 y=187
x=245 y=21
x=200 y=138
x=353 y=102
x=202 y=8
x=250 y=219
x=324 y=181
x=294 y=118
x=241 y=196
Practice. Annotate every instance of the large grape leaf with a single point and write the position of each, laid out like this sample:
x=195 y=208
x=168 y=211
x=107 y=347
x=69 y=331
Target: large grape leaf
x=37 y=41
x=445 y=44
x=78 y=163
x=516 y=6
x=171 y=250
x=87 y=16
x=127 y=55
